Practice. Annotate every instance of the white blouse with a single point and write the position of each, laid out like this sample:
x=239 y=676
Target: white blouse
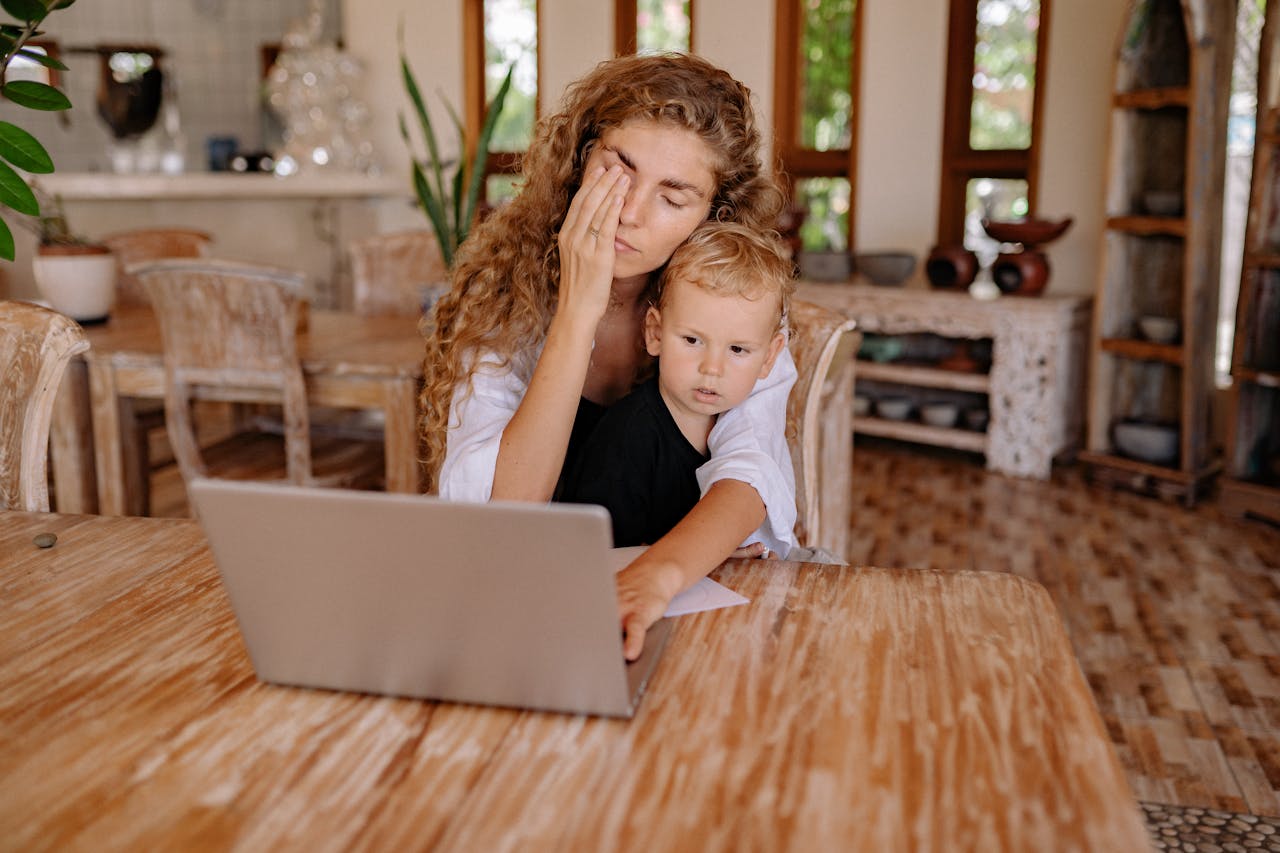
x=748 y=442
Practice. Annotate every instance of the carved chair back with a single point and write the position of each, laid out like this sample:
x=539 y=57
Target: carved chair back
x=151 y=244
x=389 y=272
x=229 y=332
x=820 y=423
x=35 y=346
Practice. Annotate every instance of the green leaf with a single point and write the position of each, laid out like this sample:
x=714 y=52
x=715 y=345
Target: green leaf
x=36 y=96
x=43 y=59
x=435 y=212
x=7 y=251
x=23 y=150
x=15 y=193
x=25 y=10
x=482 y=150
x=59 y=4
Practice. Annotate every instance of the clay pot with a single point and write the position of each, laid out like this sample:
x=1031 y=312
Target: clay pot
x=1022 y=273
x=951 y=267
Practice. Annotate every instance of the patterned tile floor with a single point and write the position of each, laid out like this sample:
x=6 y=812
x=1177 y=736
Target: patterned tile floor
x=1174 y=615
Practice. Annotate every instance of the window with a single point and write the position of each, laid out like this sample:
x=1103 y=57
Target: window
x=500 y=33
x=991 y=124
x=653 y=26
x=815 y=108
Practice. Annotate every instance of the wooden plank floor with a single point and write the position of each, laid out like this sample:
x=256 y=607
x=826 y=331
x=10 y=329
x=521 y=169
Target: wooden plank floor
x=1174 y=613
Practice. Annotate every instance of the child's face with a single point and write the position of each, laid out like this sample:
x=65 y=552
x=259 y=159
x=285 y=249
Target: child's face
x=713 y=348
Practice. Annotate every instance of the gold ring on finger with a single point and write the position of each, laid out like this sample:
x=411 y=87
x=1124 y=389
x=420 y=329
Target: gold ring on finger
x=594 y=232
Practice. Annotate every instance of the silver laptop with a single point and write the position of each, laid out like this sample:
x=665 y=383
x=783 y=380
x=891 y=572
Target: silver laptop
x=496 y=604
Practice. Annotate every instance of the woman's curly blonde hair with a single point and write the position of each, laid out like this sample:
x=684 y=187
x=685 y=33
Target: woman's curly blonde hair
x=506 y=275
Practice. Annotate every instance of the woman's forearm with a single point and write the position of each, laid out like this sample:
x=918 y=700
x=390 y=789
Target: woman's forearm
x=534 y=442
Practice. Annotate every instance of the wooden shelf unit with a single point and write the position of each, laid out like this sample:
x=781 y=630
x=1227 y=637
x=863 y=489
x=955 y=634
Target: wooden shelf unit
x=1033 y=391
x=1251 y=484
x=1168 y=134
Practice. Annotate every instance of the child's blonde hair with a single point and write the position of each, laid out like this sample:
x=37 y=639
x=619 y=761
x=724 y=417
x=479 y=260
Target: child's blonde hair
x=730 y=259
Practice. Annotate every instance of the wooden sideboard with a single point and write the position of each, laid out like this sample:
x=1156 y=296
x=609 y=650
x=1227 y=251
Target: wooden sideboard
x=1035 y=385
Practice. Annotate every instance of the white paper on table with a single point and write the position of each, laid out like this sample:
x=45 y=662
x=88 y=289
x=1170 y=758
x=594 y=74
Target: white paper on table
x=706 y=594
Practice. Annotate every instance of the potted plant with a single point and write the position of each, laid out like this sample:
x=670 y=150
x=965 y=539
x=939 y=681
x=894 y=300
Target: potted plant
x=449 y=191
x=18 y=148
x=77 y=276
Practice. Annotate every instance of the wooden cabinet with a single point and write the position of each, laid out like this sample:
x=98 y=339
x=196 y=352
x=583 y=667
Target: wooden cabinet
x=1034 y=385
x=1161 y=250
x=1251 y=485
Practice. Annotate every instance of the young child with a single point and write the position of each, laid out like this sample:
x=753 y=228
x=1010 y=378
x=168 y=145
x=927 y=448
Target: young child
x=716 y=326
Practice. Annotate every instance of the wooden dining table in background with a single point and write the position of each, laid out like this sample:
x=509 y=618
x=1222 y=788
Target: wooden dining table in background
x=841 y=709
x=348 y=360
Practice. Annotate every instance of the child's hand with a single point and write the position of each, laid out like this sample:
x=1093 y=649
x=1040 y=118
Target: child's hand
x=754 y=551
x=645 y=588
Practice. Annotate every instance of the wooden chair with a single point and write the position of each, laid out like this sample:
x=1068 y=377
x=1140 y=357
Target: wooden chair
x=390 y=271
x=230 y=333
x=820 y=424
x=144 y=418
x=151 y=244
x=35 y=346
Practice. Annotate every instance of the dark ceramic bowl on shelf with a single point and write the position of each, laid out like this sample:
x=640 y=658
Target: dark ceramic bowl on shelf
x=1028 y=232
x=1155 y=442
x=886 y=268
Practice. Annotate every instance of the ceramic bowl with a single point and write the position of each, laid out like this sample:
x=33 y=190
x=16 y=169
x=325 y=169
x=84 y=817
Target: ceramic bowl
x=1146 y=441
x=940 y=414
x=1029 y=232
x=826 y=266
x=893 y=408
x=1161 y=330
x=885 y=267
x=861 y=405
x=1162 y=202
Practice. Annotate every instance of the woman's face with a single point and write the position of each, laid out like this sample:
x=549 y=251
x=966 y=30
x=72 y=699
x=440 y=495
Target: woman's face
x=672 y=185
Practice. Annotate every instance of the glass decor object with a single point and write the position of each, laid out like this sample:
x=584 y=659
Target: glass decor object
x=313 y=88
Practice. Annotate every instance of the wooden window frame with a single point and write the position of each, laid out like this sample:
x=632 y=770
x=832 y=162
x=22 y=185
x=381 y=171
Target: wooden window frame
x=960 y=162
x=498 y=162
x=624 y=26
x=798 y=162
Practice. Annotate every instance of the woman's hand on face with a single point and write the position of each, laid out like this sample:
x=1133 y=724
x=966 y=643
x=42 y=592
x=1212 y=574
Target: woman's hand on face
x=586 y=243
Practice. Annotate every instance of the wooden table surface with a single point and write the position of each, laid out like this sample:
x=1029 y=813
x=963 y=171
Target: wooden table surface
x=349 y=361
x=843 y=709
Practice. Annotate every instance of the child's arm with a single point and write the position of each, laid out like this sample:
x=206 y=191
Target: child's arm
x=712 y=530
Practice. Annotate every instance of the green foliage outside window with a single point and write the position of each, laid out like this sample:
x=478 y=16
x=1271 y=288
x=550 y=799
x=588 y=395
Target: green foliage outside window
x=826 y=53
x=662 y=25
x=511 y=40
x=1004 y=74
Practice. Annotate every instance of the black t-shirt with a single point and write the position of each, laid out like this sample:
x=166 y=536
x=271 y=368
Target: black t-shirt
x=638 y=465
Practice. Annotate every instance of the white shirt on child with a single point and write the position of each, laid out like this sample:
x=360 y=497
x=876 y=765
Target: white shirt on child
x=748 y=442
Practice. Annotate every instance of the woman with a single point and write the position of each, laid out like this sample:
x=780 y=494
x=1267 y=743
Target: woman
x=543 y=327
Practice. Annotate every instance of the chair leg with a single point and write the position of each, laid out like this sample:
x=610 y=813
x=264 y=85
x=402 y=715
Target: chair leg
x=136 y=454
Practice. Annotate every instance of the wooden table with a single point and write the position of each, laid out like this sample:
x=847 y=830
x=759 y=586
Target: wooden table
x=349 y=361
x=843 y=709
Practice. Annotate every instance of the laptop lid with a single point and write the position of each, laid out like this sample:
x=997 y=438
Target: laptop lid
x=409 y=595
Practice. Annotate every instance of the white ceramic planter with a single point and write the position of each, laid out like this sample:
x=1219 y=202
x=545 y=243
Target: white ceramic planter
x=80 y=284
